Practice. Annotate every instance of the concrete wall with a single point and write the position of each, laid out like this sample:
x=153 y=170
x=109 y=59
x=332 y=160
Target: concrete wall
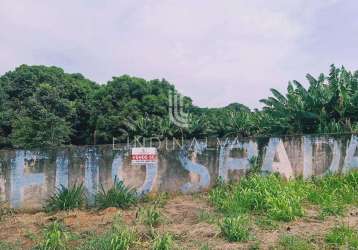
x=27 y=178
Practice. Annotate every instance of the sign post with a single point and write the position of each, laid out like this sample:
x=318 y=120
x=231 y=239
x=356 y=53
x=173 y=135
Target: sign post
x=143 y=156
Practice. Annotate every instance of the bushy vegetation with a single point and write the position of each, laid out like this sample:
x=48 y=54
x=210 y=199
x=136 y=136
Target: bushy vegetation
x=117 y=196
x=268 y=194
x=44 y=106
x=66 y=198
x=283 y=200
x=343 y=236
x=333 y=193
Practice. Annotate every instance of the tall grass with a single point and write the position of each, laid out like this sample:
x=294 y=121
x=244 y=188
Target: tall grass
x=332 y=193
x=117 y=196
x=66 y=198
x=268 y=194
x=283 y=200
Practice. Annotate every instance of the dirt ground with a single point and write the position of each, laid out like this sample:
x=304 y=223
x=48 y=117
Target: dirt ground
x=183 y=218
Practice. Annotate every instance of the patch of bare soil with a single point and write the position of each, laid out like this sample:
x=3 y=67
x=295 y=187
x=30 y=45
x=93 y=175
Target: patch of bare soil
x=181 y=219
x=26 y=228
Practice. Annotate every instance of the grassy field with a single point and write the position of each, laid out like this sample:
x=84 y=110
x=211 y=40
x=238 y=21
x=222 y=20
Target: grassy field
x=259 y=212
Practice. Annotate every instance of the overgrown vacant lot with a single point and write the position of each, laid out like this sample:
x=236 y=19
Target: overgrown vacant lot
x=259 y=212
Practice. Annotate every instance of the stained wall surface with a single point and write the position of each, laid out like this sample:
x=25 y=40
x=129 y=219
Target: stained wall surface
x=28 y=178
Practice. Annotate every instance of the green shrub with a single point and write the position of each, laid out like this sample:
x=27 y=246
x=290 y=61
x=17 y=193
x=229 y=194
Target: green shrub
x=164 y=242
x=343 y=236
x=235 y=229
x=66 y=198
x=117 y=196
x=55 y=237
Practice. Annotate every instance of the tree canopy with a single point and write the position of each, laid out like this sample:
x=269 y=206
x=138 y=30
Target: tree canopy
x=44 y=106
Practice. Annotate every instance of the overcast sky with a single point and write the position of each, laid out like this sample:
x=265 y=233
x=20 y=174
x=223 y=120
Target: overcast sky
x=216 y=52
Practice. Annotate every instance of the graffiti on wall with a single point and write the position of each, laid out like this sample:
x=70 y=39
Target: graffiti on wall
x=27 y=178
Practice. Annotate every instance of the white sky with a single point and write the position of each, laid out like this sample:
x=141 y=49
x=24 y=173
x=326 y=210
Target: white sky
x=216 y=52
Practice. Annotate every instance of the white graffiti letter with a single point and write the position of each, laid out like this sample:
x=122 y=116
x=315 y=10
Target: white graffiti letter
x=351 y=161
x=283 y=165
x=226 y=162
x=195 y=170
x=308 y=155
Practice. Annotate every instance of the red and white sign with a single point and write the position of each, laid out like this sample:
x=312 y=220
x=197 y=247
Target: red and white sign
x=141 y=156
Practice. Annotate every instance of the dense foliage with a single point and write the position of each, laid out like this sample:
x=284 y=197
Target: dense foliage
x=281 y=200
x=44 y=106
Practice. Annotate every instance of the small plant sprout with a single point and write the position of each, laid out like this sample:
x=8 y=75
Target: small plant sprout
x=152 y=216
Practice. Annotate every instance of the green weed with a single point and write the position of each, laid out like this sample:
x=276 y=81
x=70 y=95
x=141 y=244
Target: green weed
x=159 y=200
x=205 y=247
x=66 y=198
x=333 y=192
x=291 y=242
x=283 y=200
x=151 y=216
x=120 y=237
x=343 y=236
x=8 y=246
x=117 y=196
x=208 y=217
x=266 y=223
x=163 y=242
x=235 y=229
x=122 y=240
x=55 y=237
x=265 y=194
